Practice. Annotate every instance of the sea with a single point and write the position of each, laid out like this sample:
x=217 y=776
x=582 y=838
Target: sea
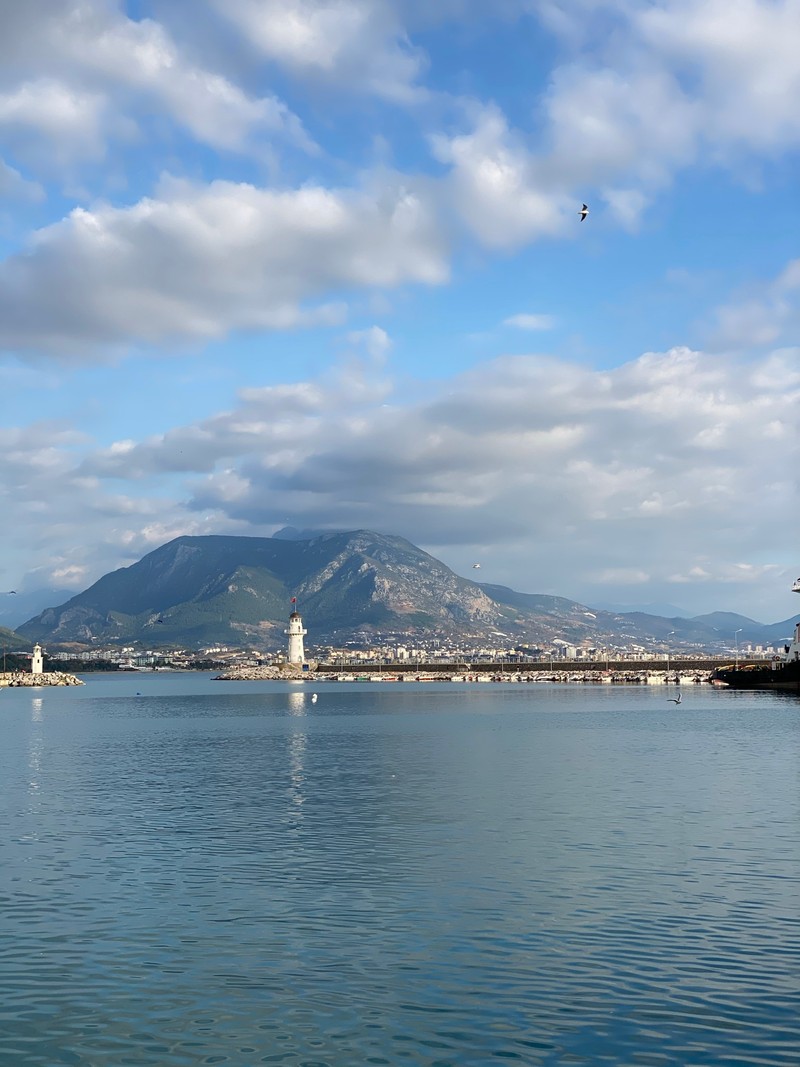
x=202 y=872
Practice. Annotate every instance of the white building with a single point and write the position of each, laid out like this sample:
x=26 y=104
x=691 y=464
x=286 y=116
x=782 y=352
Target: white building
x=37 y=663
x=296 y=633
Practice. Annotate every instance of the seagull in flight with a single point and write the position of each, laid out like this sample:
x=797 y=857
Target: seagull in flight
x=583 y=212
x=677 y=699
x=476 y=566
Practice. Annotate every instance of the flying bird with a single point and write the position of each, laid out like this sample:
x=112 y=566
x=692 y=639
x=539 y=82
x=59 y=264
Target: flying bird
x=583 y=212
x=10 y=592
x=677 y=699
x=476 y=566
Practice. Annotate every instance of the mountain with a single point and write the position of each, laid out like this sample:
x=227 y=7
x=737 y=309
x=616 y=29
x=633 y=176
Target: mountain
x=733 y=628
x=357 y=587
x=198 y=591
x=10 y=641
x=670 y=611
x=16 y=608
x=236 y=590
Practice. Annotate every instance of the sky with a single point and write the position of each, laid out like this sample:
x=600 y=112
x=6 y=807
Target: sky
x=320 y=263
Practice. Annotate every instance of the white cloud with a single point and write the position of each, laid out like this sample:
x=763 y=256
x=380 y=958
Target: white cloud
x=644 y=91
x=70 y=120
x=357 y=44
x=203 y=260
x=71 y=70
x=14 y=186
x=495 y=187
x=570 y=478
x=762 y=315
x=742 y=58
x=527 y=321
x=374 y=342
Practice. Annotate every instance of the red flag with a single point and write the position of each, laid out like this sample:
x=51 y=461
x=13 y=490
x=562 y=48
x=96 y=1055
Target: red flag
x=294 y=599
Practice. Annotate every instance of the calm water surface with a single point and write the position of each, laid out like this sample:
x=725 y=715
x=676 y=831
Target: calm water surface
x=226 y=873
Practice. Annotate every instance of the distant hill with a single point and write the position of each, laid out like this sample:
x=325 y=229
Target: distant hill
x=10 y=641
x=669 y=611
x=350 y=586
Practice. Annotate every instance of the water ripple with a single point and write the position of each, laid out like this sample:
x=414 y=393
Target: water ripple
x=228 y=876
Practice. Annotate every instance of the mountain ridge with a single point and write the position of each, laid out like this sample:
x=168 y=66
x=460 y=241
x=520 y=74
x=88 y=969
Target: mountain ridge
x=358 y=585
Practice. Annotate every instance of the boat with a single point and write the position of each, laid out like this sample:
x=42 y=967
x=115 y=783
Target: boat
x=782 y=672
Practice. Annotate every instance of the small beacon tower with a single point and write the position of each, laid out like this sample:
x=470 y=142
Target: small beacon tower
x=296 y=633
x=37 y=663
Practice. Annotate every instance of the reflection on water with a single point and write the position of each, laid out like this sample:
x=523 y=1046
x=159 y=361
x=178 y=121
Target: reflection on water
x=297 y=748
x=211 y=873
x=35 y=743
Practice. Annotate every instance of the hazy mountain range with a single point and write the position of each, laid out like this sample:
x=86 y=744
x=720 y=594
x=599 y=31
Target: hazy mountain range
x=354 y=586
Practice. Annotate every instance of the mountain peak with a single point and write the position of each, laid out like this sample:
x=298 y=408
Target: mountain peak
x=350 y=585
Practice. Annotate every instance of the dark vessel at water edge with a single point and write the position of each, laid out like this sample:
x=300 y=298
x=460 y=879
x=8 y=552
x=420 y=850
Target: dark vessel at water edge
x=783 y=672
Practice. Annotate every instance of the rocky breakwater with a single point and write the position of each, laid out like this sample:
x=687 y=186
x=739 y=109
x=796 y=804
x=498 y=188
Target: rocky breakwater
x=285 y=672
x=34 y=680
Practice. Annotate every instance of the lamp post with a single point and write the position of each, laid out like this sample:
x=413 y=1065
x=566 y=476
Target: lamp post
x=736 y=639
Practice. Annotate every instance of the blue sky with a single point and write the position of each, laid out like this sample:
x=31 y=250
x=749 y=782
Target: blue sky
x=319 y=263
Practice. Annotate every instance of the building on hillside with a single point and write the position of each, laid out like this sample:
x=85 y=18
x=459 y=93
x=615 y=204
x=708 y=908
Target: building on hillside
x=296 y=633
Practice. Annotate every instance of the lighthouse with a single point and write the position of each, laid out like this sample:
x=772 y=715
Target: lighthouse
x=296 y=633
x=37 y=662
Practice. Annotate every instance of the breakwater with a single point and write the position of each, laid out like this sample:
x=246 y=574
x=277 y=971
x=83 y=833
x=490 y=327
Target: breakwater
x=682 y=665
x=464 y=673
x=286 y=672
x=33 y=681
x=585 y=677
x=686 y=671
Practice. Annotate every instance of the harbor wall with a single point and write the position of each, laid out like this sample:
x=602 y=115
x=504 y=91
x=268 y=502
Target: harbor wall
x=560 y=666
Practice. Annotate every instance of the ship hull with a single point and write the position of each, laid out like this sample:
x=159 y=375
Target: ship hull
x=783 y=677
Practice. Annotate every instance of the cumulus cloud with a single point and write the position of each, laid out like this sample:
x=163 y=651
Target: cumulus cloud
x=556 y=465
x=71 y=69
x=741 y=60
x=47 y=498
x=353 y=44
x=69 y=120
x=642 y=92
x=496 y=186
x=579 y=479
x=202 y=260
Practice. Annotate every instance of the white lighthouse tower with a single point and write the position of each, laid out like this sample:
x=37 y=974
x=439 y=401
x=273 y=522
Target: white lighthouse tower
x=37 y=662
x=296 y=633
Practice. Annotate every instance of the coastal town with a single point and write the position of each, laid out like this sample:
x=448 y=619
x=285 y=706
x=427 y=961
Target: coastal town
x=434 y=660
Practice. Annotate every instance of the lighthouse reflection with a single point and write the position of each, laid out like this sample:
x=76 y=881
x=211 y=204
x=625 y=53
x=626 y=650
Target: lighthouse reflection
x=35 y=747
x=297 y=749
